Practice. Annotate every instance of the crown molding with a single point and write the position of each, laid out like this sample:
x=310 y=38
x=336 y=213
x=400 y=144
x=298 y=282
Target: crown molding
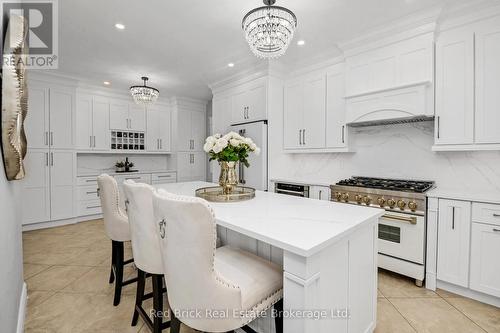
x=403 y=28
x=50 y=77
x=189 y=103
x=467 y=12
x=299 y=69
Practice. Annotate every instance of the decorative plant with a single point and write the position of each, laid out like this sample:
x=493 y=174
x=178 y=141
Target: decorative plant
x=120 y=164
x=231 y=147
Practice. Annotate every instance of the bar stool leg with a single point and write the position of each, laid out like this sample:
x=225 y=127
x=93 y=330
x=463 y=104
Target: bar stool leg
x=278 y=320
x=118 y=271
x=141 y=282
x=175 y=323
x=113 y=263
x=157 y=302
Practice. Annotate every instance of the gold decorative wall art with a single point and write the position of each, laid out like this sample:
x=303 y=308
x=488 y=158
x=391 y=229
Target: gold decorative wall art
x=14 y=98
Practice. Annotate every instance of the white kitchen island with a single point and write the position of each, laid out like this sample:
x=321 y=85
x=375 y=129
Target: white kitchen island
x=328 y=251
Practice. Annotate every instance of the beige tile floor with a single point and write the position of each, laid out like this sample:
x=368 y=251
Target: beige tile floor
x=67 y=271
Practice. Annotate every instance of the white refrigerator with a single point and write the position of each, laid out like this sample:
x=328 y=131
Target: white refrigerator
x=256 y=175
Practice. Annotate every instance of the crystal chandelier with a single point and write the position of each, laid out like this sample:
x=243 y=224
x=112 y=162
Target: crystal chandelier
x=143 y=94
x=269 y=29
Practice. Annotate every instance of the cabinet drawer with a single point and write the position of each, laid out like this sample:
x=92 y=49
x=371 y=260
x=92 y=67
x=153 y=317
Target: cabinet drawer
x=82 y=181
x=486 y=213
x=142 y=178
x=86 y=193
x=90 y=207
x=164 y=177
x=484 y=264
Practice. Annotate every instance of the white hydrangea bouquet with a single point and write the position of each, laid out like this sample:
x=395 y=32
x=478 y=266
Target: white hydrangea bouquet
x=228 y=150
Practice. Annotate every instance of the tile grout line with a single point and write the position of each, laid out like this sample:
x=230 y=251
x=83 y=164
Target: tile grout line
x=406 y=319
x=453 y=306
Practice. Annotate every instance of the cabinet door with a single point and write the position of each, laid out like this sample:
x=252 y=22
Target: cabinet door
x=184 y=131
x=152 y=135
x=455 y=88
x=487 y=82
x=118 y=115
x=100 y=124
x=484 y=263
x=454 y=225
x=37 y=119
x=314 y=111
x=165 y=130
x=198 y=166
x=238 y=107
x=61 y=118
x=184 y=166
x=221 y=114
x=84 y=122
x=319 y=192
x=62 y=189
x=292 y=117
x=336 y=133
x=35 y=187
x=137 y=115
x=257 y=102
x=198 y=130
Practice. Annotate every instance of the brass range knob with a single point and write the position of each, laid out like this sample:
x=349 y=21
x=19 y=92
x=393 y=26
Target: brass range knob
x=338 y=196
x=401 y=204
x=391 y=203
x=381 y=201
x=412 y=205
x=358 y=198
x=367 y=200
x=345 y=197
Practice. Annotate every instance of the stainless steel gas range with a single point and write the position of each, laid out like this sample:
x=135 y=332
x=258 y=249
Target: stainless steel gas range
x=402 y=229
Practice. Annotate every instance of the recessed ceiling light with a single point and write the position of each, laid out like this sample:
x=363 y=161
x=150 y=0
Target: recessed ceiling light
x=301 y=42
x=107 y=83
x=119 y=26
x=230 y=64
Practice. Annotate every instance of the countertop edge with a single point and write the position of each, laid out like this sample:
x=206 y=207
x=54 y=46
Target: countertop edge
x=465 y=195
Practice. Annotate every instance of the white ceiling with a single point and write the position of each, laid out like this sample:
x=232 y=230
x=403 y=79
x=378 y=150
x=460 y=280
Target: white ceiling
x=184 y=45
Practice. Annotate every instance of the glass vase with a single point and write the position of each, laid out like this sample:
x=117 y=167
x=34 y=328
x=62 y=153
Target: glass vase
x=227 y=178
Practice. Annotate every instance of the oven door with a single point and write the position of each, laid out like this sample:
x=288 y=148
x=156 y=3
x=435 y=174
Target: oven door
x=402 y=236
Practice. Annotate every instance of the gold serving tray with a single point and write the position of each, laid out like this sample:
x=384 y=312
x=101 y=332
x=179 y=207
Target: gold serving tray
x=215 y=194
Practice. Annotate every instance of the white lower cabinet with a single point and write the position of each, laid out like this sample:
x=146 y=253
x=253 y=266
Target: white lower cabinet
x=484 y=264
x=191 y=166
x=319 y=192
x=48 y=188
x=454 y=225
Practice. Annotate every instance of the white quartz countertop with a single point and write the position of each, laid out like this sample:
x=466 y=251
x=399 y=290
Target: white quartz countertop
x=114 y=173
x=466 y=195
x=300 y=182
x=299 y=225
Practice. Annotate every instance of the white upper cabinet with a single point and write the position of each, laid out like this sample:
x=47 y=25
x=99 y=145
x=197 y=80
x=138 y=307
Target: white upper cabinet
x=137 y=116
x=455 y=88
x=159 y=129
x=249 y=102
x=37 y=119
x=62 y=110
x=454 y=224
x=336 y=130
x=488 y=82
x=314 y=112
x=467 y=80
x=118 y=115
x=191 y=127
x=92 y=123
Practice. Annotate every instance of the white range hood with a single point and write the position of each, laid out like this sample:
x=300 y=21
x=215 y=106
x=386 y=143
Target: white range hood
x=409 y=103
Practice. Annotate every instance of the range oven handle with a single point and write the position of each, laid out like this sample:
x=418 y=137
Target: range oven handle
x=411 y=220
x=291 y=192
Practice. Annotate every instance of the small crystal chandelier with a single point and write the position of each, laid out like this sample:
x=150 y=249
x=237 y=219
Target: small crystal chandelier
x=269 y=29
x=144 y=95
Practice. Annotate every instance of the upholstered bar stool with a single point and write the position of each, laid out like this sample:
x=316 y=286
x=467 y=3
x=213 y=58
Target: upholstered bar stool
x=117 y=229
x=202 y=279
x=146 y=250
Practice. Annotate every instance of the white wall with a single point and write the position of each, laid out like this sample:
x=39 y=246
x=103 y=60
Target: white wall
x=396 y=151
x=11 y=268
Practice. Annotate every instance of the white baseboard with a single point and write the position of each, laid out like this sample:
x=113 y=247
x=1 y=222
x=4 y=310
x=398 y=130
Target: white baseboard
x=466 y=292
x=52 y=224
x=21 y=315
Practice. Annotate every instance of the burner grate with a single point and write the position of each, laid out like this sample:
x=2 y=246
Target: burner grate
x=388 y=184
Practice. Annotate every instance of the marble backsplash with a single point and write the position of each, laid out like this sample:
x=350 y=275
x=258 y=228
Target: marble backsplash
x=95 y=164
x=393 y=151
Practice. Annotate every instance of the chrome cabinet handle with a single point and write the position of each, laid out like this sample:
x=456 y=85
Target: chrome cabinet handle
x=90 y=207
x=165 y=176
x=94 y=141
x=51 y=138
x=453 y=219
x=411 y=220
x=91 y=192
x=320 y=194
x=496 y=215
x=51 y=159
x=161 y=144
x=300 y=137
x=438 y=127
x=496 y=230
x=47 y=159
x=90 y=141
x=46 y=138
x=133 y=178
x=303 y=136
x=343 y=134
x=91 y=180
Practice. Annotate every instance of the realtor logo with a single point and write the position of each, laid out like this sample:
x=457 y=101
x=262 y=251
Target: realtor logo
x=42 y=28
